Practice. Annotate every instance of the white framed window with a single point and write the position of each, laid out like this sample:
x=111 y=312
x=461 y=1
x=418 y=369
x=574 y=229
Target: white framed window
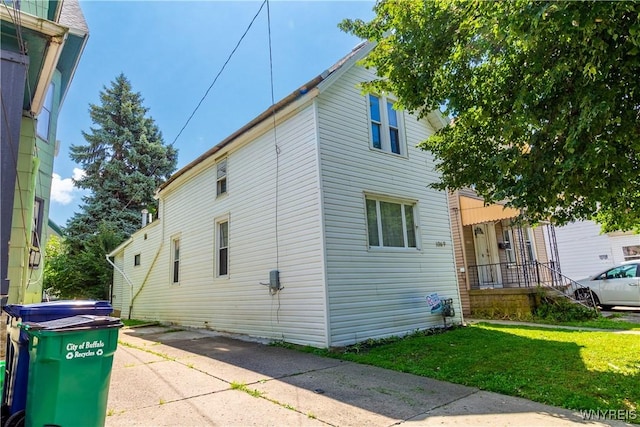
x=222 y=247
x=509 y=250
x=385 y=125
x=35 y=254
x=44 y=118
x=631 y=252
x=175 y=260
x=391 y=223
x=136 y=260
x=221 y=177
x=530 y=244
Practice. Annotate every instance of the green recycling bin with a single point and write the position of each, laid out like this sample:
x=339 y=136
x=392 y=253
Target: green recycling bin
x=70 y=363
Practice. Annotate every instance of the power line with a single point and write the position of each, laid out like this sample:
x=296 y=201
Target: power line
x=220 y=72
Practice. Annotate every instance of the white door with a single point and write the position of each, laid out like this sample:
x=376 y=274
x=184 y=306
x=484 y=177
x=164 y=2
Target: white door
x=484 y=239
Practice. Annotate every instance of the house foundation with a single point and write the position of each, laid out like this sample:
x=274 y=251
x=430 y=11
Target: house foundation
x=514 y=303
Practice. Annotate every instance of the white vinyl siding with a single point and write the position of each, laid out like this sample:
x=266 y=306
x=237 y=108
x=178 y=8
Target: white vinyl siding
x=584 y=250
x=377 y=293
x=238 y=303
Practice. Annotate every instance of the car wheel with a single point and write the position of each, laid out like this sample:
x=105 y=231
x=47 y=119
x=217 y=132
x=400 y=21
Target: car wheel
x=582 y=295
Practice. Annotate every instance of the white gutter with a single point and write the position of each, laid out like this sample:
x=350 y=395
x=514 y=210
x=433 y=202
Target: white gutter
x=57 y=34
x=54 y=50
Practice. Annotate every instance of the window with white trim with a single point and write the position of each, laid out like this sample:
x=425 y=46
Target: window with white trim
x=44 y=118
x=529 y=242
x=386 y=132
x=509 y=250
x=175 y=260
x=391 y=223
x=631 y=252
x=222 y=248
x=221 y=177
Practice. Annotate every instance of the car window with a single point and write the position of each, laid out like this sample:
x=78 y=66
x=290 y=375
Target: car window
x=621 y=272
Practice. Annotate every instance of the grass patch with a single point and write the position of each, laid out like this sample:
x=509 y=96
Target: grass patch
x=136 y=322
x=146 y=350
x=599 y=323
x=243 y=387
x=579 y=370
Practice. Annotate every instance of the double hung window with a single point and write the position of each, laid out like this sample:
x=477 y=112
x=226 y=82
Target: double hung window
x=386 y=134
x=222 y=249
x=391 y=223
x=175 y=260
x=221 y=177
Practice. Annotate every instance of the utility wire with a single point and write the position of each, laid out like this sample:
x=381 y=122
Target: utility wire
x=275 y=134
x=219 y=72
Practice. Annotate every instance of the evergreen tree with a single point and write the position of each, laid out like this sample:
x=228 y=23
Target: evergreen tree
x=125 y=160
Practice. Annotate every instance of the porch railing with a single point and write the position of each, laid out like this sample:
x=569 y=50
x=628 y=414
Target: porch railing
x=514 y=275
x=529 y=274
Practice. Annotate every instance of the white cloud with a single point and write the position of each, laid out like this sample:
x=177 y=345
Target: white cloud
x=62 y=190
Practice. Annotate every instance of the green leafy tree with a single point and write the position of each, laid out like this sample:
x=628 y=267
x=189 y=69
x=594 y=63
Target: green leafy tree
x=124 y=159
x=55 y=276
x=71 y=273
x=545 y=98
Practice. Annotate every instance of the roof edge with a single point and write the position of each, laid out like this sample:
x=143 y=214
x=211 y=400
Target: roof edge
x=266 y=114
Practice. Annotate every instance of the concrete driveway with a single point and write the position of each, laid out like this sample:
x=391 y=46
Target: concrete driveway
x=165 y=377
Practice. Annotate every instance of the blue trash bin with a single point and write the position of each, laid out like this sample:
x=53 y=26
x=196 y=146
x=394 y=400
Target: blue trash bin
x=14 y=396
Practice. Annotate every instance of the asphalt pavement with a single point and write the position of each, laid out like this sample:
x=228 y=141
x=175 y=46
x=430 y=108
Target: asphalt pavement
x=172 y=377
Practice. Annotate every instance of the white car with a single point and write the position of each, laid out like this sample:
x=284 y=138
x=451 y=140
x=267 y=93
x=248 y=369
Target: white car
x=619 y=285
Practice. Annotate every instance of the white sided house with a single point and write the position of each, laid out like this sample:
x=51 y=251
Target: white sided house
x=584 y=250
x=314 y=227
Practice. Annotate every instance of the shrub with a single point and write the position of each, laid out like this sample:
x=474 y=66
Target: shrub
x=564 y=310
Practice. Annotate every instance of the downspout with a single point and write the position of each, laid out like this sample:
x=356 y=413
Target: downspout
x=125 y=278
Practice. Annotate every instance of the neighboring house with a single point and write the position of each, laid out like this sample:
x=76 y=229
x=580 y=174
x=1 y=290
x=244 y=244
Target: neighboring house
x=493 y=251
x=322 y=230
x=53 y=229
x=584 y=250
x=42 y=42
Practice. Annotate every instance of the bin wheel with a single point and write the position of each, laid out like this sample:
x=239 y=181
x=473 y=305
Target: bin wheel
x=15 y=420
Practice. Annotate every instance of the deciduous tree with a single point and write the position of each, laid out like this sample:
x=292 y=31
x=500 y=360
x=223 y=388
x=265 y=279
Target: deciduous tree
x=544 y=96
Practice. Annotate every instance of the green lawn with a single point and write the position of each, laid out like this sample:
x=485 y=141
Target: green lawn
x=567 y=368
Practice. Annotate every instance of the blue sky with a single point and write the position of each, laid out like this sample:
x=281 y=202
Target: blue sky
x=172 y=50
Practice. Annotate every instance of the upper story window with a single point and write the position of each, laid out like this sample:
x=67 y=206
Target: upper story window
x=391 y=223
x=44 y=119
x=136 y=260
x=221 y=177
x=386 y=134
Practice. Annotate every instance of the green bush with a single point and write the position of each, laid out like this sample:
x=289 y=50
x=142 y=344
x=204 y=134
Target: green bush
x=563 y=310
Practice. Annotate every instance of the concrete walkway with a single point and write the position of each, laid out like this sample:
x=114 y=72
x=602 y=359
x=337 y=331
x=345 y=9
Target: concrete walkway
x=164 y=377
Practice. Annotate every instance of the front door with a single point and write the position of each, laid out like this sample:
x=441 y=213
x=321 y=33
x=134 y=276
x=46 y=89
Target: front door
x=484 y=239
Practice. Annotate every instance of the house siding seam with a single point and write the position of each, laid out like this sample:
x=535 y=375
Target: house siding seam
x=238 y=303
x=376 y=293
